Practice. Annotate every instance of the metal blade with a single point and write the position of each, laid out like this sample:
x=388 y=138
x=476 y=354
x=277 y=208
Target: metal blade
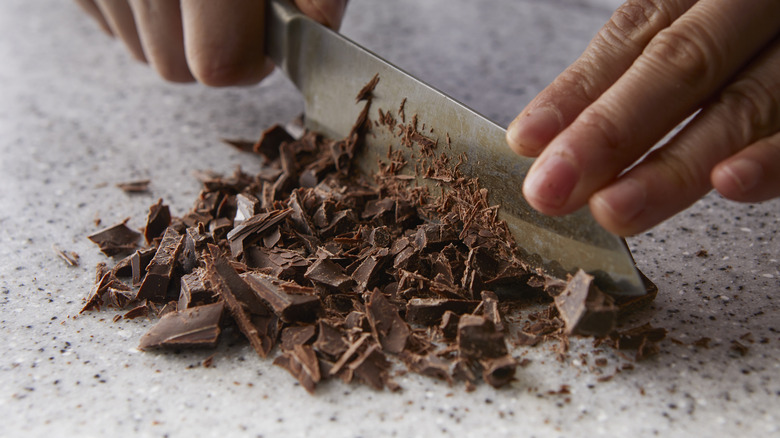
x=329 y=70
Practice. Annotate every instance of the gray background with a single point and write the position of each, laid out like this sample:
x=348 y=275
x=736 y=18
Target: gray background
x=77 y=116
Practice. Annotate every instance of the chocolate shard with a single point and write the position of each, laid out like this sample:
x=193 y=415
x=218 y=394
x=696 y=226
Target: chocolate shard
x=194 y=290
x=116 y=239
x=584 y=309
x=157 y=221
x=429 y=311
x=297 y=335
x=429 y=365
x=252 y=229
x=387 y=326
x=160 y=269
x=246 y=207
x=289 y=307
x=139 y=186
x=478 y=338
x=330 y=343
x=326 y=272
x=498 y=371
x=366 y=275
x=302 y=364
x=139 y=261
x=371 y=368
x=365 y=92
x=490 y=309
x=449 y=325
x=269 y=143
x=194 y=327
x=254 y=319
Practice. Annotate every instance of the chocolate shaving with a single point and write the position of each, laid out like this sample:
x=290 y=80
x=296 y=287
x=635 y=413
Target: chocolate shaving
x=139 y=186
x=194 y=327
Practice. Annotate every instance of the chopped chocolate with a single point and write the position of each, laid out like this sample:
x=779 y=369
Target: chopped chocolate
x=351 y=274
x=269 y=143
x=253 y=318
x=365 y=92
x=429 y=311
x=139 y=186
x=158 y=219
x=251 y=229
x=297 y=335
x=584 y=308
x=289 y=307
x=116 y=239
x=160 y=269
x=388 y=328
x=328 y=273
x=194 y=327
x=70 y=258
x=137 y=312
x=478 y=338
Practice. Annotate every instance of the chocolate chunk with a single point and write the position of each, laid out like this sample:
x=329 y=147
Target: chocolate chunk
x=160 y=269
x=584 y=308
x=302 y=363
x=297 y=335
x=271 y=140
x=139 y=261
x=289 y=307
x=490 y=309
x=499 y=371
x=116 y=239
x=330 y=343
x=158 y=219
x=194 y=327
x=253 y=318
x=449 y=325
x=371 y=368
x=137 y=312
x=429 y=311
x=388 y=328
x=194 y=290
x=328 y=273
x=251 y=229
x=478 y=338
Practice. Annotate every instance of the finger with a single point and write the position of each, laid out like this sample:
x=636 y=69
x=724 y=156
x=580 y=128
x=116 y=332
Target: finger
x=92 y=10
x=224 y=41
x=120 y=19
x=669 y=180
x=160 y=32
x=683 y=64
x=753 y=175
x=327 y=12
x=608 y=56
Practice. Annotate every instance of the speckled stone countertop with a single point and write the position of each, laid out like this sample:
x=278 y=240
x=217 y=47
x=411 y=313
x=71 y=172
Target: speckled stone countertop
x=77 y=116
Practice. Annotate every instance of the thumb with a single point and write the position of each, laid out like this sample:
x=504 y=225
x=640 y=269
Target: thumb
x=327 y=12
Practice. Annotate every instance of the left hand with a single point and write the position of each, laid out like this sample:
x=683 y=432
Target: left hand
x=653 y=64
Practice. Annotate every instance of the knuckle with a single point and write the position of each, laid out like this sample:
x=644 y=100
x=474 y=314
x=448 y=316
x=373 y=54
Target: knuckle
x=688 y=52
x=755 y=105
x=627 y=20
x=682 y=173
x=580 y=82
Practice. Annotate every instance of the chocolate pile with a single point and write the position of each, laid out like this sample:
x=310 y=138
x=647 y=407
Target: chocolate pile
x=346 y=276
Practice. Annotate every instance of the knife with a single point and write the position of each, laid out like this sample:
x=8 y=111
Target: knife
x=329 y=69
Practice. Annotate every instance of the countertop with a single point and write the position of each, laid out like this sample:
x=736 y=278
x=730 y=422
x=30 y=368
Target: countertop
x=77 y=116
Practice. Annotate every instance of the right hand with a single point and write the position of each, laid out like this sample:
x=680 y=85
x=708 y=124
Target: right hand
x=217 y=43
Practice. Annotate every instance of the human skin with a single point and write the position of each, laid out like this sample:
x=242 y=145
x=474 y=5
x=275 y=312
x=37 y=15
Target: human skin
x=654 y=64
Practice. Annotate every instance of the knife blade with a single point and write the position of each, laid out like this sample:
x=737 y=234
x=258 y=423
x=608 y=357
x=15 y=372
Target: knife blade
x=328 y=69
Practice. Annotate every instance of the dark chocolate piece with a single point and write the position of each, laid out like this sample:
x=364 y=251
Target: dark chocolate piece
x=71 y=258
x=584 y=308
x=194 y=290
x=139 y=186
x=269 y=143
x=498 y=371
x=330 y=343
x=478 y=338
x=328 y=273
x=251 y=229
x=253 y=318
x=158 y=219
x=116 y=239
x=160 y=269
x=388 y=328
x=139 y=261
x=429 y=311
x=297 y=335
x=194 y=327
x=289 y=307
x=302 y=363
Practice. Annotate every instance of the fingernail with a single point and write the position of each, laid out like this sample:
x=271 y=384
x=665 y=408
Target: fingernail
x=552 y=182
x=624 y=200
x=744 y=172
x=533 y=130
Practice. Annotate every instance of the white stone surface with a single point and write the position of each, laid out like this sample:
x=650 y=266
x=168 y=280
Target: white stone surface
x=77 y=116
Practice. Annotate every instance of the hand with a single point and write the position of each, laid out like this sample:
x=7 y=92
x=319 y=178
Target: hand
x=655 y=63
x=218 y=43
